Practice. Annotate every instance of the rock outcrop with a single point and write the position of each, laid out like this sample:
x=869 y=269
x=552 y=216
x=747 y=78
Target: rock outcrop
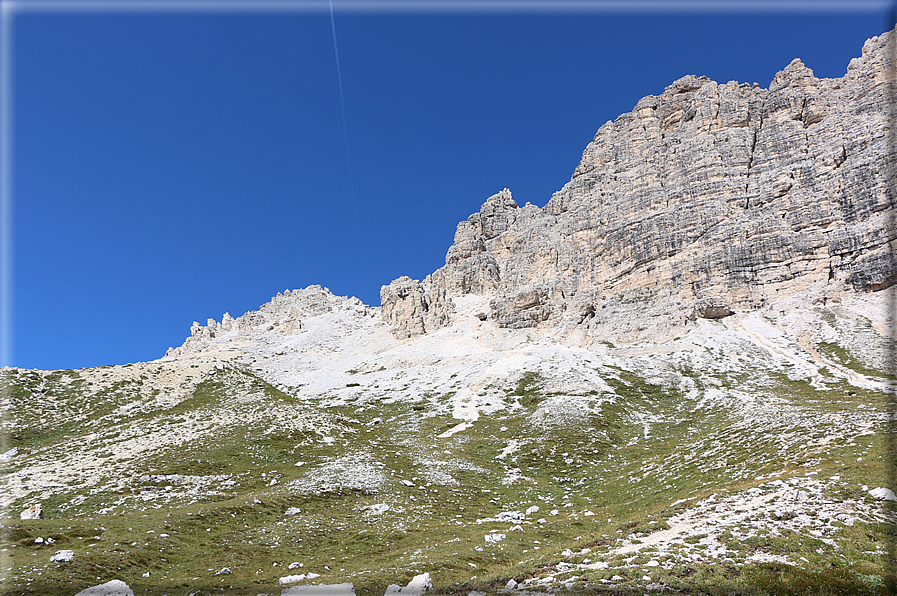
x=413 y=308
x=705 y=200
x=115 y=587
x=283 y=315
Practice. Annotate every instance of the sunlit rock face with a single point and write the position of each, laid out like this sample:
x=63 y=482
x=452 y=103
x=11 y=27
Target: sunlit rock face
x=413 y=308
x=705 y=200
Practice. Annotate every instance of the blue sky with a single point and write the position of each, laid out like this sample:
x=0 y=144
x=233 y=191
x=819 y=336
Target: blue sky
x=169 y=167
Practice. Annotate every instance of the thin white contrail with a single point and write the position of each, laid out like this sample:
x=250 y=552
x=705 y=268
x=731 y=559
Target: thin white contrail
x=342 y=105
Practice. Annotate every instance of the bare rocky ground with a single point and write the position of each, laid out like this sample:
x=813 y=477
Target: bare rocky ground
x=741 y=457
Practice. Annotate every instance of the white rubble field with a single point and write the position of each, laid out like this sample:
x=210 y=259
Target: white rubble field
x=472 y=359
x=797 y=504
x=341 y=353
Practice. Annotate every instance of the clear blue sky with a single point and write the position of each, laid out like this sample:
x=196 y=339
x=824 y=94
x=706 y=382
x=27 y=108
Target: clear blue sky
x=171 y=167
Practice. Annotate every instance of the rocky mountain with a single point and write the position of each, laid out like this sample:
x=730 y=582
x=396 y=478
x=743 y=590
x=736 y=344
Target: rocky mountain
x=676 y=377
x=705 y=200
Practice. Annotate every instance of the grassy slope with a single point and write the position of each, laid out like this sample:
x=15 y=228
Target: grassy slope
x=610 y=483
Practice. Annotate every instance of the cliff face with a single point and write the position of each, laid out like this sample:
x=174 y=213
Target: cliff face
x=707 y=199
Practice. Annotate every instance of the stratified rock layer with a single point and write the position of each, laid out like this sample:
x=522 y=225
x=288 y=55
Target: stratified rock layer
x=702 y=201
x=413 y=308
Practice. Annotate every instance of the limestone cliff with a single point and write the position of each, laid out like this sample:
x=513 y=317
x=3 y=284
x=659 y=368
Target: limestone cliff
x=707 y=199
x=413 y=308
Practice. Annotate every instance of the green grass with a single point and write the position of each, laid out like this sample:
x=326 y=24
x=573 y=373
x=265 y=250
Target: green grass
x=601 y=461
x=845 y=358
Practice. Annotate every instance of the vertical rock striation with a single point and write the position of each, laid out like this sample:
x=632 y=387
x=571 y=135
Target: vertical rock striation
x=413 y=308
x=707 y=199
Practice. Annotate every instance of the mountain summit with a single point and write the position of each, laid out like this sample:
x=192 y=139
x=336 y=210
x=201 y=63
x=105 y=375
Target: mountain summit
x=705 y=200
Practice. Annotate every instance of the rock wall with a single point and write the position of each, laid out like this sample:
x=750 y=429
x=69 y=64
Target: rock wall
x=707 y=199
x=413 y=308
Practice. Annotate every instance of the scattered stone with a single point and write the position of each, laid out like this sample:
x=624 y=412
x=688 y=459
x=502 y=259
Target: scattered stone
x=493 y=538
x=9 y=454
x=295 y=565
x=292 y=511
x=533 y=509
x=511 y=585
x=224 y=571
x=116 y=587
x=39 y=540
x=378 y=508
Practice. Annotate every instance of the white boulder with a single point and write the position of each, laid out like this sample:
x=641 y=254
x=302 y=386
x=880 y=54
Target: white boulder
x=62 y=556
x=33 y=512
x=418 y=585
x=378 y=508
x=115 y=587
x=883 y=494
x=321 y=589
